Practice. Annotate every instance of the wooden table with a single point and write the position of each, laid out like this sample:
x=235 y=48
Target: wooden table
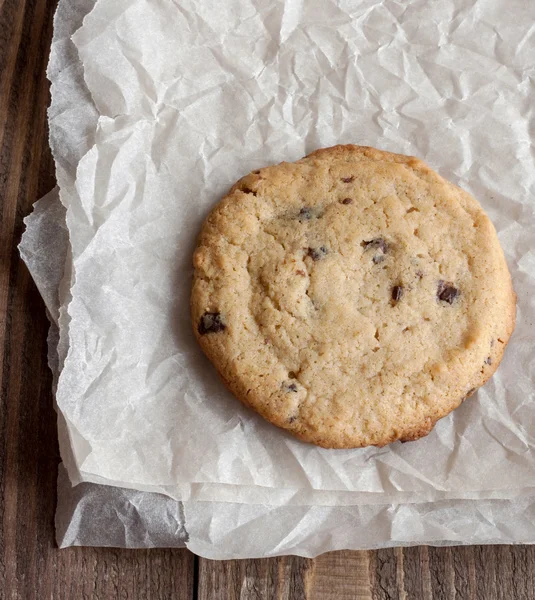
x=31 y=567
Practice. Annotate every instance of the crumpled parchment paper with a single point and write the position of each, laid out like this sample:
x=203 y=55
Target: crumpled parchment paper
x=90 y=514
x=189 y=97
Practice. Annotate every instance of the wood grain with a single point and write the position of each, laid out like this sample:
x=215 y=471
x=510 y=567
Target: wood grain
x=31 y=567
x=418 y=573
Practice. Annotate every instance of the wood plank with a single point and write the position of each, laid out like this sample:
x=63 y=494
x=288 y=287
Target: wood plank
x=275 y=578
x=417 y=573
x=340 y=575
x=417 y=580
x=344 y=575
x=108 y=573
x=384 y=569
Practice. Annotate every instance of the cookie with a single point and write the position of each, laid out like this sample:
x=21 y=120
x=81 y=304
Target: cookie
x=352 y=298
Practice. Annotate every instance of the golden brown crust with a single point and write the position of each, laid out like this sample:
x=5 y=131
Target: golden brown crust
x=303 y=321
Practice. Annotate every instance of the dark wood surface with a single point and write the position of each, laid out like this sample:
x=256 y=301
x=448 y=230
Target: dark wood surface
x=31 y=567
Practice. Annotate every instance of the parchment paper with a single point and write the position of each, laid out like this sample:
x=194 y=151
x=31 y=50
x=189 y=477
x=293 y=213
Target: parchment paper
x=91 y=514
x=262 y=531
x=193 y=95
x=96 y=515
x=67 y=119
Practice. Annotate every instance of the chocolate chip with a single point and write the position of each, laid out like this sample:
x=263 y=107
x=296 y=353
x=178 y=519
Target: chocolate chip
x=305 y=214
x=346 y=201
x=348 y=179
x=211 y=322
x=397 y=292
x=379 y=245
x=289 y=387
x=317 y=253
x=446 y=292
x=488 y=360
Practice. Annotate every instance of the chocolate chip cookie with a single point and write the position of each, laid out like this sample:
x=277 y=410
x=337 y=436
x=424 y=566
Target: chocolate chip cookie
x=352 y=298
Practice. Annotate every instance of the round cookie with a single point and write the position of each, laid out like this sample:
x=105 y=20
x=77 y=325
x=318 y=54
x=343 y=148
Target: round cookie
x=353 y=297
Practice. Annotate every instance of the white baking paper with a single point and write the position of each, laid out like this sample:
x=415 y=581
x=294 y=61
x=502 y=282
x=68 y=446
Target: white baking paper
x=191 y=96
x=96 y=515
x=263 y=531
x=219 y=530
x=72 y=120
x=44 y=249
